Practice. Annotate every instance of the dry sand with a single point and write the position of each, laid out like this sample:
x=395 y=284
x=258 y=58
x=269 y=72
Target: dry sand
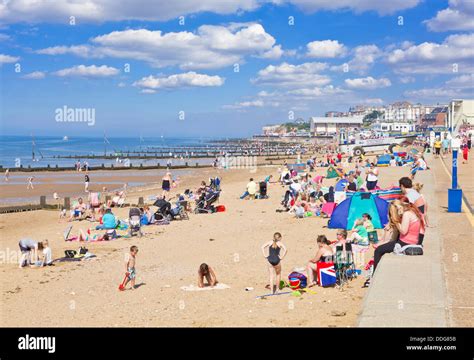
x=86 y=293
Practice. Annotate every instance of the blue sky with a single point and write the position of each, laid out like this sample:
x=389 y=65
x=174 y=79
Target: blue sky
x=336 y=54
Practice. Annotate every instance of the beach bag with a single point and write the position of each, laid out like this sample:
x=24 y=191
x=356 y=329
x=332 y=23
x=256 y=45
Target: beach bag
x=408 y=249
x=325 y=273
x=297 y=280
x=220 y=208
x=83 y=250
x=413 y=250
x=70 y=253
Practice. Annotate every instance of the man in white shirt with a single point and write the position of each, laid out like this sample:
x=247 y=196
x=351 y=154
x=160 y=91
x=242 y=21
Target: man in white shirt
x=414 y=197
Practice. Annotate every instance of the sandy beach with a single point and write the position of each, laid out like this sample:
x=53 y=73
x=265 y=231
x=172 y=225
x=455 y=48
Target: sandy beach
x=85 y=293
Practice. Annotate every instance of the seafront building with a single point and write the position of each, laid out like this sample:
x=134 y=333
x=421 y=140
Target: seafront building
x=331 y=125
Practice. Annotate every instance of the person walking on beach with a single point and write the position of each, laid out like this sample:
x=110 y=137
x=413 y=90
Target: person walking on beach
x=272 y=251
x=465 y=153
x=130 y=273
x=437 y=147
x=30 y=183
x=86 y=182
x=7 y=175
x=166 y=184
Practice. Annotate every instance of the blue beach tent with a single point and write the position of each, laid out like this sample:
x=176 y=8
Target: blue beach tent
x=345 y=214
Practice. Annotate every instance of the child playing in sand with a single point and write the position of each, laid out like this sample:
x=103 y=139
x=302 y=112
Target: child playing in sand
x=205 y=271
x=130 y=273
x=46 y=258
x=272 y=252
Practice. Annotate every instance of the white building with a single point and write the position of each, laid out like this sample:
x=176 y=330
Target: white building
x=406 y=112
x=460 y=112
x=330 y=125
x=393 y=126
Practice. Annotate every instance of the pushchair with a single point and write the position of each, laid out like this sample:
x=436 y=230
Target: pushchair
x=262 y=193
x=205 y=201
x=215 y=183
x=164 y=209
x=180 y=211
x=134 y=217
x=344 y=265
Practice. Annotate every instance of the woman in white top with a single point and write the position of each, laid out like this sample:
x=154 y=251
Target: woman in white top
x=372 y=177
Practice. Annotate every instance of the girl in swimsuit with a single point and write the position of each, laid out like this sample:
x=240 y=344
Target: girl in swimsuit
x=274 y=251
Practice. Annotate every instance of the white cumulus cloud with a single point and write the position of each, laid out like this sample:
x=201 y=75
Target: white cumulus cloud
x=455 y=53
x=92 y=71
x=210 y=47
x=189 y=79
x=59 y=11
x=35 y=75
x=289 y=75
x=5 y=59
x=458 y=16
x=367 y=83
x=325 y=49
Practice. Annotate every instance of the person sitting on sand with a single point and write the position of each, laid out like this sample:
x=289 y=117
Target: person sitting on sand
x=272 y=251
x=29 y=251
x=252 y=189
x=298 y=209
x=324 y=254
x=117 y=200
x=108 y=221
x=205 y=271
x=148 y=216
x=79 y=210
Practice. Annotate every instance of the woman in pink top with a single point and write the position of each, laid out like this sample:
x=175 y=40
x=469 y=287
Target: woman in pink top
x=410 y=227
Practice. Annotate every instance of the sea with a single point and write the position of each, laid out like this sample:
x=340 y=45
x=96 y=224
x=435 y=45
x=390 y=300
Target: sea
x=41 y=151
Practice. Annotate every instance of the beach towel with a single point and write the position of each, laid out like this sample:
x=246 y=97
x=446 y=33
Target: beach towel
x=326 y=275
x=219 y=286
